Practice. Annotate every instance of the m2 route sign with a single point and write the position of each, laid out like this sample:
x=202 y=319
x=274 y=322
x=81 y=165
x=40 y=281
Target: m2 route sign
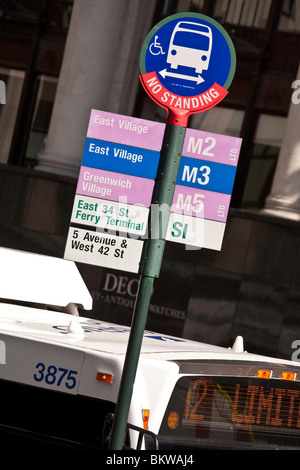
x=187 y=64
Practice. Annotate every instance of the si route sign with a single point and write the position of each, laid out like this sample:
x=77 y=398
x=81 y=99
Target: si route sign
x=187 y=64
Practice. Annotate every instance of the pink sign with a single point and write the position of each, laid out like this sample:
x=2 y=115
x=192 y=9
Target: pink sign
x=126 y=130
x=212 y=147
x=115 y=186
x=200 y=203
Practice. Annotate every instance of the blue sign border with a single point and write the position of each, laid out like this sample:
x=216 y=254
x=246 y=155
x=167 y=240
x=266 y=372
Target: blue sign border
x=114 y=159
x=227 y=54
x=203 y=174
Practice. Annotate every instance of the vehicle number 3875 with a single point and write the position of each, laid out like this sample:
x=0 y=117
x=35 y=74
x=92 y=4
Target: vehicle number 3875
x=58 y=376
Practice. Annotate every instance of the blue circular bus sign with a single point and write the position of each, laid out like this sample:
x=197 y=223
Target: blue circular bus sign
x=187 y=64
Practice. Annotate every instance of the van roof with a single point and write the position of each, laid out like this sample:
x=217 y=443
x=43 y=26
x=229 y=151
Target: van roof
x=97 y=336
x=35 y=278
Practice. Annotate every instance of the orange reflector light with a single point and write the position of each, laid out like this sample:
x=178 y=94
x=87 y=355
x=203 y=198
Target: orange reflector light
x=264 y=374
x=173 y=420
x=105 y=377
x=146 y=415
x=288 y=375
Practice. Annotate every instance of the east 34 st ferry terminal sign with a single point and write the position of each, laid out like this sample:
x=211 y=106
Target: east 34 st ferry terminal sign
x=187 y=64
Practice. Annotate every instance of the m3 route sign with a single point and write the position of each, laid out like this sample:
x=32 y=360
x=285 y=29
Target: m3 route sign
x=187 y=64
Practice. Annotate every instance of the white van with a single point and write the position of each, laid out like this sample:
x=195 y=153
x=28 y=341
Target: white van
x=190 y=46
x=60 y=374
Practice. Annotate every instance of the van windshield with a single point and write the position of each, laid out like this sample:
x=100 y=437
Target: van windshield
x=232 y=412
x=191 y=40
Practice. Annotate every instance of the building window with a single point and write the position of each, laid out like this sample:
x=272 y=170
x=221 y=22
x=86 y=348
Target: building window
x=267 y=142
x=189 y=5
x=225 y=121
x=13 y=80
x=290 y=16
x=250 y=13
x=41 y=119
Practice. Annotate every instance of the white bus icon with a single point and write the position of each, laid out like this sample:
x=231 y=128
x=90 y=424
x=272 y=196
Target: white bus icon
x=190 y=46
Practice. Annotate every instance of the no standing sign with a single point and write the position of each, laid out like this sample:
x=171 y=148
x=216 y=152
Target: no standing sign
x=187 y=64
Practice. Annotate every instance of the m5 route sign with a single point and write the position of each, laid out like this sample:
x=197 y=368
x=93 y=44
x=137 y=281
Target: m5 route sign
x=187 y=64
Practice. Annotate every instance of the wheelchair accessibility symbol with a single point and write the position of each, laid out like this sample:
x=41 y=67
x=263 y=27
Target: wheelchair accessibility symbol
x=155 y=48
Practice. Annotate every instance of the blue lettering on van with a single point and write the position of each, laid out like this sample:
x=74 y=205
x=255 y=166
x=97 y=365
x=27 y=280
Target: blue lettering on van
x=98 y=327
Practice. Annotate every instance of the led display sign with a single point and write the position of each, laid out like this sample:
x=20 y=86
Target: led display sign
x=234 y=409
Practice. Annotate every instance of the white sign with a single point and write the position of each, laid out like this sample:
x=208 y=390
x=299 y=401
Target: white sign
x=195 y=231
x=110 y=215
x=103 y=249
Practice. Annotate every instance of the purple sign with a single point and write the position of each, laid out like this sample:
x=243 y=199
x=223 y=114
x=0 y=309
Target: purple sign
x=114 y=186
x=200 y=203
x=126 y=130
x=212 y=147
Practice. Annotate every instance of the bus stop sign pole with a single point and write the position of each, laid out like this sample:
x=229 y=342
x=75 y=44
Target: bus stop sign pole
x=187 y=63
x=151 y=263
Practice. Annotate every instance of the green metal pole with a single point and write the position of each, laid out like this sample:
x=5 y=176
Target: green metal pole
x=150 y=268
